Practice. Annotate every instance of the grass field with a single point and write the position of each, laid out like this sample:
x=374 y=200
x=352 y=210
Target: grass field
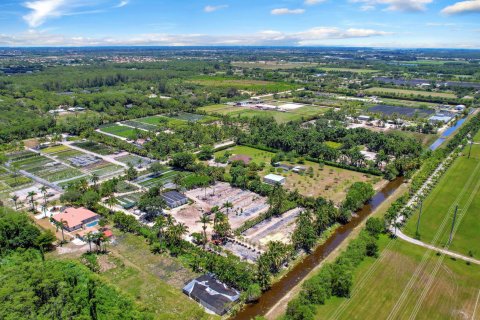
x=303 y=113
x=459 y=186
x=329 y=182
x=408 y=282
x=406 y=92
x=121 y=131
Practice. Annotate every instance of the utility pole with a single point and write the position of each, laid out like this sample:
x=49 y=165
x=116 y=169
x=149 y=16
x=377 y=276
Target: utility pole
x=419 y=215
x=453 y=224
x=470 y=150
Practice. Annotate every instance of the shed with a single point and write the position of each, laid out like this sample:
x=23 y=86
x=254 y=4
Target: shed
x=212 y=294
x=274 y=179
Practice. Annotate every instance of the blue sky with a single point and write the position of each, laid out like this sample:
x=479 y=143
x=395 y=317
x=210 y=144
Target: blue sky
x=378 y=23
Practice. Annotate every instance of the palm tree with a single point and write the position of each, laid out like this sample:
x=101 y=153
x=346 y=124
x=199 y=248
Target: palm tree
x=111 y=201
x=227 y=205
x=30 y=196
x=60 y=224
x=15 y=199
x=178 y=181
x=205 y=219
x=160 y=224
x=94 y=179
x=89 y=238
x=15 y=172
x=44 y=190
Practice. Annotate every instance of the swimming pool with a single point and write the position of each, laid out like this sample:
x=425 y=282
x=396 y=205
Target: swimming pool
x=91 y=224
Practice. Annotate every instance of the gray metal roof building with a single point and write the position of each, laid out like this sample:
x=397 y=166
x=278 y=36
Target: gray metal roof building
x=174 y=199
x=212 y=294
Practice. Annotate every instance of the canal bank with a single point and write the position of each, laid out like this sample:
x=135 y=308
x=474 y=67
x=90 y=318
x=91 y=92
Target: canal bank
x=274 y=301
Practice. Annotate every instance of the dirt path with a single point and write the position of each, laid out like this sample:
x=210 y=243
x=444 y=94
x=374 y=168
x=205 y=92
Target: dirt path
x=449 y=253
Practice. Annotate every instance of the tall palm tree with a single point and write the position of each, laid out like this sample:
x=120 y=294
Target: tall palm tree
x=94 y=179
x=60 y=225
x=30 y=196
x=15 y=199
x=160 y=224
x=44 y=190
x=178 y=181
x=204 y=220
x=89 y=238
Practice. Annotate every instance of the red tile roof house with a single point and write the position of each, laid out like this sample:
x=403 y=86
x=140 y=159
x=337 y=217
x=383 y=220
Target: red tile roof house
x=76 y=218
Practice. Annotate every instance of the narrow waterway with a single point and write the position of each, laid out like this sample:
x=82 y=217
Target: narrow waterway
x=302 y=269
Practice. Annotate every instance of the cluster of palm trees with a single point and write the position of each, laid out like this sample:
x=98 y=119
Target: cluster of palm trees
x=221 y=226
x=169 y=232
x=98 y=239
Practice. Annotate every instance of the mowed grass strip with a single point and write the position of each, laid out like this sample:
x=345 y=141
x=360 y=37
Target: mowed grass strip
x=406 y=92
x=467 y=238
x=379 y=283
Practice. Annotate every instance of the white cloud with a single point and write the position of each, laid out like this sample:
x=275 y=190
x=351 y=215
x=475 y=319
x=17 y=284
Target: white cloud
x=281 y=11
x=42 y=10
x=209 y=9
x=122 y=3
x=266 y=37
x=463 y=7
x=395 y=5
x=313 y=2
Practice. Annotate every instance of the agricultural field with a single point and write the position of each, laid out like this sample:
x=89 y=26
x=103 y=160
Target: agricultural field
x=407 y=281
x=459 y=186
x=166 y=177
x=329 y=182
x=133 y=159
x=406 y=92
x=303 y=113
x=95 y=147
x=258 y=86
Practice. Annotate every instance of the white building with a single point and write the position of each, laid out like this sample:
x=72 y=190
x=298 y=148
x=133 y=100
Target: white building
x=274 y=179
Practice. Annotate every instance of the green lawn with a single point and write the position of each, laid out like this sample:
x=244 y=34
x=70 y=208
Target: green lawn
x=460 y=185
x=121 y=131
x=256 y=154
x=406 y=92
x=379 y=285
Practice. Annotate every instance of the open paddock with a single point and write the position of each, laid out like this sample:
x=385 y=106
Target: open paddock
x=273 y=65
x=246 y=204
x=274 y=229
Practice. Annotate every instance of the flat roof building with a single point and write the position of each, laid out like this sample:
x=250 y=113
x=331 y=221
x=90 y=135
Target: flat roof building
x=274 y=179
x=212 y=294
